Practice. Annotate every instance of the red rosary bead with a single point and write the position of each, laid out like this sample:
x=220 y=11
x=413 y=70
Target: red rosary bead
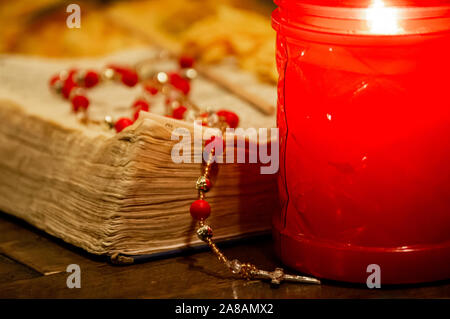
x=204 y=118
x=142 y=104
x=230 y=117
x=215 y=139
x=91 y=79
x=212 y=143
x=53 y=80
x=179 y=83
x=71 y=72
x=151 y=89
x=79 y=102
x=117 y=68
x=122 y=123
x=186 y=61
x=68 y=86
x=136 y=114
x=178 y=113
x=200 y=209
x=129 y=78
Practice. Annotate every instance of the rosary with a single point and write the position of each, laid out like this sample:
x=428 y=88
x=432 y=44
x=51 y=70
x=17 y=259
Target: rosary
x=73 y=84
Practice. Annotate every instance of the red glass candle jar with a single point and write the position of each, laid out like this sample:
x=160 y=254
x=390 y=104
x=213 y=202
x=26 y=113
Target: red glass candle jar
x=363 y=112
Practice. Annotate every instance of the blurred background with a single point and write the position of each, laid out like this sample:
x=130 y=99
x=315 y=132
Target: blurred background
x=209 y=30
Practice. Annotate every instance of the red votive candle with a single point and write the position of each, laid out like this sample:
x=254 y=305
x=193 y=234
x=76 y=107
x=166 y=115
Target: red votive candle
x=363 y=112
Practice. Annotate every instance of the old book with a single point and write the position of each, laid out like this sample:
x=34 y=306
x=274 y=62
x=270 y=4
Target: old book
x=114 y=193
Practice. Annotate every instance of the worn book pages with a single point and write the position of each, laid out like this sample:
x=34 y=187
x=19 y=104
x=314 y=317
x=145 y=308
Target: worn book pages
x=114 y=193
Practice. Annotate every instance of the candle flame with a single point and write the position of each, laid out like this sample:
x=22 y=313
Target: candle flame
x=382 y=19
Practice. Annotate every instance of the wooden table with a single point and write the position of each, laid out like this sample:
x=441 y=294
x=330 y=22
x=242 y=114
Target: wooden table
x=33 y=265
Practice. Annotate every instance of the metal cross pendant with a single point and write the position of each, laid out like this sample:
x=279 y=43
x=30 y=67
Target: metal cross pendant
x=278 y=275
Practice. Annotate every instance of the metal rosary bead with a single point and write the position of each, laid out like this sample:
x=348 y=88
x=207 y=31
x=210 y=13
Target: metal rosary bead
x=190 y=73
x=63 y=75
x=108 y=122
x=247 y=271
x=82 y=117
x=108 y=74
x=235 y=266
x=203 y=184
x=57 y=87
x=204 y=232
x=212 y=119
x=162 y=77
x=79 y=76
x=190 y=115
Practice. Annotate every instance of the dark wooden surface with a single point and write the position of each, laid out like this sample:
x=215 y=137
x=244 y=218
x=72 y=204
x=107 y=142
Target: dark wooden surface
x=33 y=265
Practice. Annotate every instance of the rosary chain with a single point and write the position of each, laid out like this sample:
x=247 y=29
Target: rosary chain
x=247 y=271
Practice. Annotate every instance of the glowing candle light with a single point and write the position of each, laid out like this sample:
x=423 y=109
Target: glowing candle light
x=382 y=19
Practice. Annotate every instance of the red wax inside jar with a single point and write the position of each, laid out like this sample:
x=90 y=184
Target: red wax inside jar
x=364 y=118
